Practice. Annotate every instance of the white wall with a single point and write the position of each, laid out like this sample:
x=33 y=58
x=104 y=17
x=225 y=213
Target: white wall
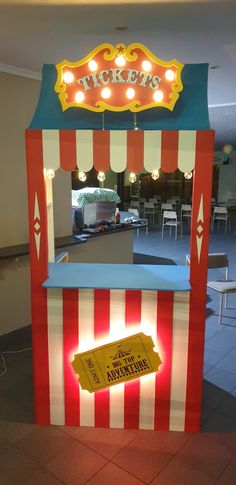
x=227 y=179
x=18 y=100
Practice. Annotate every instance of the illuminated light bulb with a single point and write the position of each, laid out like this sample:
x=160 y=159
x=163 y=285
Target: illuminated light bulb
x=158 y=95
x=50 y=173
x=188 y=175
x=82 y=176
x=120 y=61
x=130 y=93
x=93 y=65
x=170 y=75
x=227 y=149
x=68 y=77
x=101 y=176
x=106 y=93
x=132 y=177
x=79 y=97
x=155 y=174
x=147 y=66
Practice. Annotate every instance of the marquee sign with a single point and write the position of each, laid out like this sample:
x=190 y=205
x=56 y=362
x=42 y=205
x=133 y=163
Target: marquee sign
x=119 y=78
x=119 y=361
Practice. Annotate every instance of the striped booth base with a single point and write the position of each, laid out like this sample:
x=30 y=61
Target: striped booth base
x=81 y=319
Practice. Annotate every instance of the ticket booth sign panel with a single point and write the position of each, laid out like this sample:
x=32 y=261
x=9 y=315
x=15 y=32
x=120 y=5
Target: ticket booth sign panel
x=119 y=78
x=116 y=362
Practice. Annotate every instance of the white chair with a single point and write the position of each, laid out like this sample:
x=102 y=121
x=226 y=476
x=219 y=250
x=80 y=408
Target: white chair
x=220 y=214
x=171 y=201
x=142 y=200
x=176 y=202
x=223 y=287
x=134 y=204
x=165 y=207
x=134 y=212
x=170 y=220
x=231 y=203
x=186 y=213
x=149 y=211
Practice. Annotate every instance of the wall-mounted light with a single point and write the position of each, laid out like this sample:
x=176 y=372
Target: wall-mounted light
x=227 y=149
x=120 y=61
x=188 y=175
x=82 y=176
x=130 y=93
x=68 y=77
x=79 y=96
x=50 y=173
x=146 y=65
x=106 y=93
x=132 y=177
x=158 y=96
x=169 y=75
x=155 y=174
x=93 y=65
x=101 y=176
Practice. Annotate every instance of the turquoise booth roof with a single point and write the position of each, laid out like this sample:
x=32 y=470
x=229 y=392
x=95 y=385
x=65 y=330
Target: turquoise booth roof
x=190 y=112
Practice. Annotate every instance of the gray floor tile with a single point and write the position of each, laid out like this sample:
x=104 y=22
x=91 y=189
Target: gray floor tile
x=224 y=379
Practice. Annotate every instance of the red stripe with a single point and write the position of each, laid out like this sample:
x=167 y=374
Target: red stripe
x=202 y=185
x=135 y=150
x=164 y=344
x=132 y=389
x=169 y=150
x=101 y=331
x=70 y=344
x=39 y=272
x=101 y=150
x=68 y=149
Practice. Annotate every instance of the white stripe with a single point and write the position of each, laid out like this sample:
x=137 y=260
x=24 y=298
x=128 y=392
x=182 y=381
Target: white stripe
x=84 y=150
x=147 y=383
x=152 y=150
x=50 y=220
x=51 y=149
x=118 y=150
x=187 y=150
x=86 y=342
x=117 y=331
x=55 y=356
x=179 y=361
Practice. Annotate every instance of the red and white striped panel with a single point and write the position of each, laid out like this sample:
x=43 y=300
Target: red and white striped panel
x=79 y=319
x=118 y=150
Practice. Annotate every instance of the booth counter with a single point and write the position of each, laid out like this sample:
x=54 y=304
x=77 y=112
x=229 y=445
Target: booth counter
x=89 y=304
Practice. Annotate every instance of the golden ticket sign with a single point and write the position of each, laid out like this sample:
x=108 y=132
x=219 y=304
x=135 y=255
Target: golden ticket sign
x=116 y=362
x=119 y=78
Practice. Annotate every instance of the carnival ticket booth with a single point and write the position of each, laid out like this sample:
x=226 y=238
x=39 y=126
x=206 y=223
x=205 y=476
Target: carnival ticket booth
x=119 y=345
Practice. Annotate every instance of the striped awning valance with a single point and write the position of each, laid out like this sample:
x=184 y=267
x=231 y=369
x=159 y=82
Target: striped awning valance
x=119 y=150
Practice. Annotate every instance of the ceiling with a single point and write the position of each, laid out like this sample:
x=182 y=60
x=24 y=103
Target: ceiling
x=33 y=33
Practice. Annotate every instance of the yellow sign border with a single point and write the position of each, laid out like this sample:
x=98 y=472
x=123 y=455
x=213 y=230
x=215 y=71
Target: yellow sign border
x=112 y=51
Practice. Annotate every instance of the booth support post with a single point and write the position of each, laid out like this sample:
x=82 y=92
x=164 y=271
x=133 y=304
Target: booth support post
x=38 y=237
x=199 y=243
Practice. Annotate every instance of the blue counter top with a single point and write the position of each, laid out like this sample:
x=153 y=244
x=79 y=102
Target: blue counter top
x=118 y=276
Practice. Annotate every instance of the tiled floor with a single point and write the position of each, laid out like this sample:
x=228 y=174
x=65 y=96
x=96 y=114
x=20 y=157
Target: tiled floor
x=37 y=455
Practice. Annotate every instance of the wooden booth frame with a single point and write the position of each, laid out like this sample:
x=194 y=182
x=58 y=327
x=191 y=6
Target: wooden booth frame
x=168 y=150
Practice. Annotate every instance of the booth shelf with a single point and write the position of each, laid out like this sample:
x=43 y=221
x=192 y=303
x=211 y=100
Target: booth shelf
x=122 y=276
